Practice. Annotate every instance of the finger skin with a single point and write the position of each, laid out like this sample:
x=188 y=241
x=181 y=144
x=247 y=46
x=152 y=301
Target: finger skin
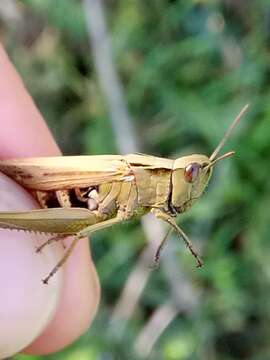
x=25 y=134
x=25 y=306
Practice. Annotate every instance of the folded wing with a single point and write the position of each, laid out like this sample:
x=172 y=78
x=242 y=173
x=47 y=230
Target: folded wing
x=66 y=172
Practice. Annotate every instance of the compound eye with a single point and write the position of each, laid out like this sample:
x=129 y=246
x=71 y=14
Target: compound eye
x=191 y=172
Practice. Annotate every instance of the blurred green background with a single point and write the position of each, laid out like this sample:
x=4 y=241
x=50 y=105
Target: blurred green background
x=186 y=68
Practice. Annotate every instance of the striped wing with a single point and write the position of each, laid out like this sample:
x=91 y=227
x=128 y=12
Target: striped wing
x=66 y=172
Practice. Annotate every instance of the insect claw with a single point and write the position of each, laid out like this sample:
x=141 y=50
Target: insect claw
x=38 y=249
x=199 y=263
x=45 y=281
x=47 y=278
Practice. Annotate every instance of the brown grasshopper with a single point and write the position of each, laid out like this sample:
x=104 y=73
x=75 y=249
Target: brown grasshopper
x=82 y=194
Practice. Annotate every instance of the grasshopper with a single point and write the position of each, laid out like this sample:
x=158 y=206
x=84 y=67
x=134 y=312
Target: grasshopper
x=83 y=194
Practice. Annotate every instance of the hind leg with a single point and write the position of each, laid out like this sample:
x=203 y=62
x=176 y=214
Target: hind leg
x=81 y=234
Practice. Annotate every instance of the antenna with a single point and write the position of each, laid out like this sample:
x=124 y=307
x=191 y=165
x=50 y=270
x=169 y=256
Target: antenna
x=228 y=133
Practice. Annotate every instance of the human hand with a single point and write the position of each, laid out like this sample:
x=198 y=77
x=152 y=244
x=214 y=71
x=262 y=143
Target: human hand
x=37 y=318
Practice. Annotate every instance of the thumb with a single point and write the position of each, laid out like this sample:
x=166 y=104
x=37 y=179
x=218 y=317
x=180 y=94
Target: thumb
x=26 y=305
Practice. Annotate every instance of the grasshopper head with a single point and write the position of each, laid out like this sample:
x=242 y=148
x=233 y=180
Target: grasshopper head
x=189 y=179
x=191 y=174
